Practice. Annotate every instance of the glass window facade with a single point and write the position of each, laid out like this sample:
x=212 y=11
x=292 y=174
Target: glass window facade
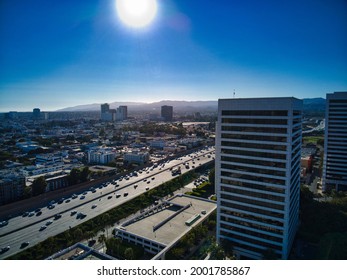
x=258 y=174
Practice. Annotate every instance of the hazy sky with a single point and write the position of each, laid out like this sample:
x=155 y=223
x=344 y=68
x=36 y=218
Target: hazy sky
x=55 y=54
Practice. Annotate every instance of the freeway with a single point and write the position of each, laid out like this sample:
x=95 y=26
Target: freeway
x=25 y=231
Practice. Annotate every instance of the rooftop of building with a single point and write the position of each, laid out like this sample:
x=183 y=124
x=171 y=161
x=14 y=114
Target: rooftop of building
x=165 y=222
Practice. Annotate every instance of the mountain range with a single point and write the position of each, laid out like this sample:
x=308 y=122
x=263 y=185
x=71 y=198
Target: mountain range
x=310 y=104
x=142 y=106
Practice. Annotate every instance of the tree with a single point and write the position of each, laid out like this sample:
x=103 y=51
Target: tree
x=27 y=192
x=228 y=247
x=129 y=253
x=84 y=174
x=216 y=252
x=102 y=239
x=211 y=176
x=39 y=186
x=78 y=234
x=74 y=176
x=89 y=235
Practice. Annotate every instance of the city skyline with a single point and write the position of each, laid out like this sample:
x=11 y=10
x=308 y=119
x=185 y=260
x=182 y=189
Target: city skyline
x=66 y=54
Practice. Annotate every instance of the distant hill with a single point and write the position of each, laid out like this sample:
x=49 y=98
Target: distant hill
x=314 y=105
x=310 y=105
x=96 y=106
x=137 y=106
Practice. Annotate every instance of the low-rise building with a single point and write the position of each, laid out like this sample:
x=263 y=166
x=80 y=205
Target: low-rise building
x=102 y=155
x=136 y=157
x=157 y=143
x=51 y=158
x=55 y=180
x=11 y=188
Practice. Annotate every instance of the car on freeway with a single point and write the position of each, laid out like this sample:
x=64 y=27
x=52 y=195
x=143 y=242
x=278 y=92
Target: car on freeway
x=25 y=214
x=67 y=201
x=109 y=197
x=51 y=206
x=135 y=186
x=73 y=213
x=74 y=196
x=57 y=216
x=3 y=223
x=49 y=222
x=4 y=249
x=125 y=194
x=80 y=215
x=24 y=244
x=94 y=206
x=39 y=213
x=82 y=197
x=118 y=195
x=147 y=188
x=31 y=214
x=43 y=227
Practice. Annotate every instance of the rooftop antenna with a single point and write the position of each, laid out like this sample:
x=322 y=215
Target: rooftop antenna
x=234 y=93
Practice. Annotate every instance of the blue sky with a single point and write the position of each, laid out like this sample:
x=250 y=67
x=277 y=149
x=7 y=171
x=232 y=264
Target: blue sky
x=55 y=54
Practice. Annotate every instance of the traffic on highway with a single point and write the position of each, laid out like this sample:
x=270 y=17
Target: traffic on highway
x=36 y=225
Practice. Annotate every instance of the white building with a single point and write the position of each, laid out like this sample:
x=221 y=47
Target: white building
x=335 y=142
x=137 y=157
x=101 y=155
x=258 y=147
x=157 y=143
x=33 y=170
x=46 y=159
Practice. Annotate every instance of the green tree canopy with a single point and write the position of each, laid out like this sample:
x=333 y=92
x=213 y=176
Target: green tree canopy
x=39 y=186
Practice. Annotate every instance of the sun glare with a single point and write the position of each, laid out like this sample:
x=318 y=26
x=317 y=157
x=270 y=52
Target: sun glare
x=136 y=13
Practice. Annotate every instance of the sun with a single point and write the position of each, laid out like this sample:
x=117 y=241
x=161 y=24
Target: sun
x=136 y=13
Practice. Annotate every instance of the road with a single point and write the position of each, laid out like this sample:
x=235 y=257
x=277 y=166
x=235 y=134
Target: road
x=27 y=229
x=319 y=127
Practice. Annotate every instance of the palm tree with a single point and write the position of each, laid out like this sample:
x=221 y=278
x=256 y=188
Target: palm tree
x=216 y=252
x=102 y=240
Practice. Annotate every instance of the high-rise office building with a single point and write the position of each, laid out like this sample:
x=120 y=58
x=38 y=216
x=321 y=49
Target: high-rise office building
x=258 y=147
x=105 y=108
x=122 y=113
x=106 y=113
x=335 y=143
x=167 y=113
x=36 y=113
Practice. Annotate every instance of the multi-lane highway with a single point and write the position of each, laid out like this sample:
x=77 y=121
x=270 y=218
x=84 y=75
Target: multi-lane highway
x=36 y=226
